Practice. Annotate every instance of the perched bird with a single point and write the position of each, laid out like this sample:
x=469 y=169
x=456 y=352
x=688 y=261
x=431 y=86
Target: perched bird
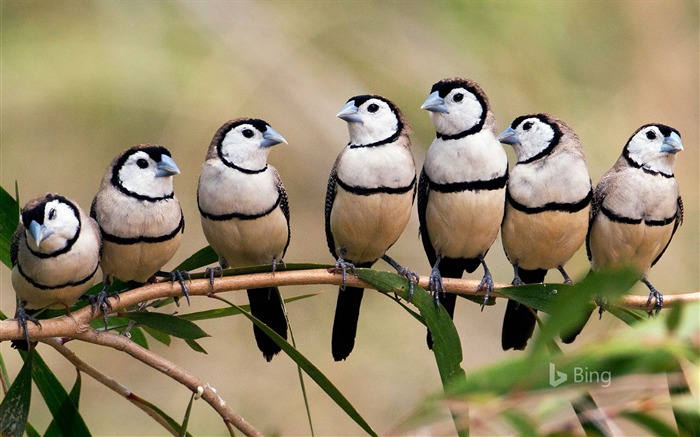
x=245 y=213
x=369 y=199
x=139 y=217
x=637 y=205
x=55 y=253
x=461 y=193
x=548 y=199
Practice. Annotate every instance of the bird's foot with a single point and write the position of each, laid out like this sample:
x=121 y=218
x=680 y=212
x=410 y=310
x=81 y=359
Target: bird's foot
x=344 y=266
x=486 y=285
x=412 y=277
x=276 y=262
x=517 y=281
x=179 y=276
x=567 y=278
x=435 y=285
x=22 y=318
x=211 y=271
x=656 y=294
x=100 y=301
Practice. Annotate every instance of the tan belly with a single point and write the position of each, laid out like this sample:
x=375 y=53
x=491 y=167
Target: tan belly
x=367 y=226
x=248 y=242
x=37 y=299
x=464 y=225
x=618 y=244
x=137 y=262
x=545 y=240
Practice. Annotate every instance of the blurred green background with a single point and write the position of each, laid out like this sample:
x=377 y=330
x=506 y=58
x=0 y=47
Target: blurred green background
x=82 y=81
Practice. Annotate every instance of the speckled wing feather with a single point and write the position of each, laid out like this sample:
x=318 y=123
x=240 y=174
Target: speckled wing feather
x=677 y=222
x=330 y=198
x=284 y=205
x=423 y=193
x=599 y=194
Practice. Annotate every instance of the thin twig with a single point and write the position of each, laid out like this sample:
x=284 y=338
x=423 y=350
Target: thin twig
x=107 y=381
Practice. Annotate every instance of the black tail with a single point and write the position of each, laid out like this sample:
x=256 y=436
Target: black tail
x=266 y=305
x=451 y=268
x=519 y=320
x=347 y=312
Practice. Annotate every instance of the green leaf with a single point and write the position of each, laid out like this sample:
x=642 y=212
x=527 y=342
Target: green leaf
x=651 y=423
x=203 y=257
x=629 y=316
x=9 y=219
x=31 y=432
x=138 y=337
x=229 y=311
x=310 y=369
x=186 y=419
x=157 y=411
x=158 y=336
x=63 y=410
x=74 y=396
x=592 y=428
x=521 y=423
x=14 y=408
x=447 y=346
x=168 y=324
x=195 y=346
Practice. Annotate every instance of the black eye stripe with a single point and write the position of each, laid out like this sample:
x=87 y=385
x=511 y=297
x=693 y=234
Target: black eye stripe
x=527 y=125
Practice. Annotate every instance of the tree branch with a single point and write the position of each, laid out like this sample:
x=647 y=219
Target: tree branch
x=75 y=325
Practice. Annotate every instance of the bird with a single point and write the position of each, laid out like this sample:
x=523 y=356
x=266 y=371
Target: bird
x=55 y=255
x=244 y=211
x=548 y=202
x=637 y=206
x=461 y=191
x=369 y=198
x=139 y=217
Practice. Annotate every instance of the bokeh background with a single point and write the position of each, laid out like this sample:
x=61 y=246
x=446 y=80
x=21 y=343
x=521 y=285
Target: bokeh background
x=82 y=81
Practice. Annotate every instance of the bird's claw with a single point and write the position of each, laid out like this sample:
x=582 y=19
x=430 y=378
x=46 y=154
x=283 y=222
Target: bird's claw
x=101 y=301
x=22 y=318
x=276 y=262
x=435 y=285
x=179 y=276
x=344 y=266
x=210 y=272
x=412 y=278
x=486 y=285
x=658 y=304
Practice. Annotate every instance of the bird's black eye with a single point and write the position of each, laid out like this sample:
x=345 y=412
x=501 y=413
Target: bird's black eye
x=248 y=133
x=373 y=108
x=142 y=163
x=459 y=97
x=52 y=213
x=527 y=125
x=651 y=135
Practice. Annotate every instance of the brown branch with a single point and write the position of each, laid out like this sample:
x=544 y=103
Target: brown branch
x=107 y=381
x=78 y=322
x=208 y=393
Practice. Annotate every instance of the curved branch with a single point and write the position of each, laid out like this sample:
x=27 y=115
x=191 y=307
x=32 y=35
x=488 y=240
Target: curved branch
x=107 y=381
x=208 y=393
x=75 y=325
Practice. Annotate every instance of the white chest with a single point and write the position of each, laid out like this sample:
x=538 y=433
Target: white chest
x=476 y=157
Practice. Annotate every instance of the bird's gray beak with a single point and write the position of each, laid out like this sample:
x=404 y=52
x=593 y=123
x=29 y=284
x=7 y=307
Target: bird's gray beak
x=435 y=103
x=349 y=113
x=272 y=137
x=166 y=167
x=672 y=144
x=509 y=136
x=39 y=232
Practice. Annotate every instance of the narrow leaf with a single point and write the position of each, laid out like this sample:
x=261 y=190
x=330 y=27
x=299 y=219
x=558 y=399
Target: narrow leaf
x=311 y=370
x=14 y=408
x=203 y=257
x=521 y=423
x=63 y=410
x=155 y=411
x=195 y=346
x=9 y=218
x=592 y=428
x=168 y=324
x=137 y=336
x=186 y=419
x=158 y=336
x=651 y=423
x=229 y=311
x=74 y=396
